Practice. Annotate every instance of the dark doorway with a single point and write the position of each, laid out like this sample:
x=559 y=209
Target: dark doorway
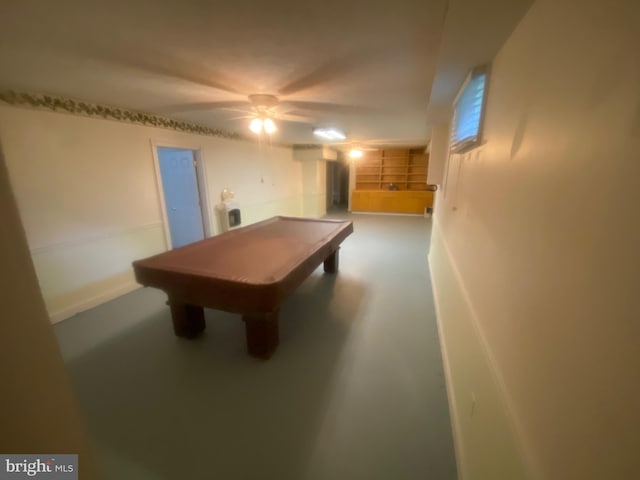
x=337 y=185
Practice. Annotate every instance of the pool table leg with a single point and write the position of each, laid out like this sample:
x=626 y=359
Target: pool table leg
x=331 y=262
x=188 y=320
x=262 y=334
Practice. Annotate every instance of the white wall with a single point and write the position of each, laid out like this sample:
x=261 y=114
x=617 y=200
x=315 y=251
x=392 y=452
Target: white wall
x=314 y=179
x=351 y=163
x=315 y=188
x=535 y=254
x=438 y=154
x=38 y=411
x=88 y=196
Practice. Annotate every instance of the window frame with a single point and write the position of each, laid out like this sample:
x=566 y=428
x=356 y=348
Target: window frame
x=469 y=143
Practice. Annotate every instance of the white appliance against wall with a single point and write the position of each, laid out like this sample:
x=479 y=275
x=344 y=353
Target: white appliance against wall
x=228 y=209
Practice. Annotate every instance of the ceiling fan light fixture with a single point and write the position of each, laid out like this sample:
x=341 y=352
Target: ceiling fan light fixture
x=269 y=126
x=259 y=125
x=355 y=153
x=256 y=125
x=329 y=133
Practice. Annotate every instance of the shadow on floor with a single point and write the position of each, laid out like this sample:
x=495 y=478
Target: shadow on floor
x=163 y=407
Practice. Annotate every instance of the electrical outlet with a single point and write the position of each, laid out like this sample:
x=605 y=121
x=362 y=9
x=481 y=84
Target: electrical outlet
x=473 y=404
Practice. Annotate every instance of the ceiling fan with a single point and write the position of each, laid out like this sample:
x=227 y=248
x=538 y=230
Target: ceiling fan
x=263 y=108
x=294 y=97
x=297 y=97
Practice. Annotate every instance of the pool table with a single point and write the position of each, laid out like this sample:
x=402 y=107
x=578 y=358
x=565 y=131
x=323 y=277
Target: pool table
x=249 y=270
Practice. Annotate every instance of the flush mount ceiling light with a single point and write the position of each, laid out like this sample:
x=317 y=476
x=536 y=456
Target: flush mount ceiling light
x=329 y=133
x=355 y=153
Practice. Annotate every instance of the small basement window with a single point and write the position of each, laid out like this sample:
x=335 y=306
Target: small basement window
x=468 y=111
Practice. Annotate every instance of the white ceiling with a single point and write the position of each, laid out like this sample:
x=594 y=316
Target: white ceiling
x=366 y=67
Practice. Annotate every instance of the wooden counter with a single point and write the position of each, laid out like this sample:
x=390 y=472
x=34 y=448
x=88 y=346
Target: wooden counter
x=389 y=201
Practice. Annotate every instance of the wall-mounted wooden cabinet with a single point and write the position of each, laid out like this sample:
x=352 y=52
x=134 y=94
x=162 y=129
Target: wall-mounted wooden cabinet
x=393 y=168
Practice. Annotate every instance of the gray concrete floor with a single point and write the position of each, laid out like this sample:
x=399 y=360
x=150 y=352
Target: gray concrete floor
x=355 y=390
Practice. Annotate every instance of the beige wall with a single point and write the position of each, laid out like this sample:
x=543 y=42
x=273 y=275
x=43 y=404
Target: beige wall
x=38 y=412
x=314 y=179
x=352 y=178
x=89 y=200
x=314 y=183
x=535 y=254
x=438 y=154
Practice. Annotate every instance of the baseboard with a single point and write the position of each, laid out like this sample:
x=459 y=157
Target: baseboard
x=92 y=302
x=388 y=213
x=451 y=396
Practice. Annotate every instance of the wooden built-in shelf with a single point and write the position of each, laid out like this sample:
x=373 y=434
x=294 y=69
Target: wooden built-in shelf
x=404 y=169
x=398 y=168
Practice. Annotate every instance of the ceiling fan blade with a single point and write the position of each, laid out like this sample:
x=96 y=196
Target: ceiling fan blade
x=247 y=110
x=325 y=73
x=331 y=107
x=199 y=106
x=148 y=58
x=287 y=117
x=207 y=80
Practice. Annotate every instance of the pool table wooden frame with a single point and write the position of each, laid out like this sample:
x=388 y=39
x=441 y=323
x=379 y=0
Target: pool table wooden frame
x=190 y=287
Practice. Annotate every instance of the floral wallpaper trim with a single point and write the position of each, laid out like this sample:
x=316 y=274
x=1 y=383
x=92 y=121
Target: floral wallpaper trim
x=87 y=109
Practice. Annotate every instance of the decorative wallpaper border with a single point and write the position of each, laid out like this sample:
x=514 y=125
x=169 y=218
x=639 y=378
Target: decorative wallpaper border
x=93 y=110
